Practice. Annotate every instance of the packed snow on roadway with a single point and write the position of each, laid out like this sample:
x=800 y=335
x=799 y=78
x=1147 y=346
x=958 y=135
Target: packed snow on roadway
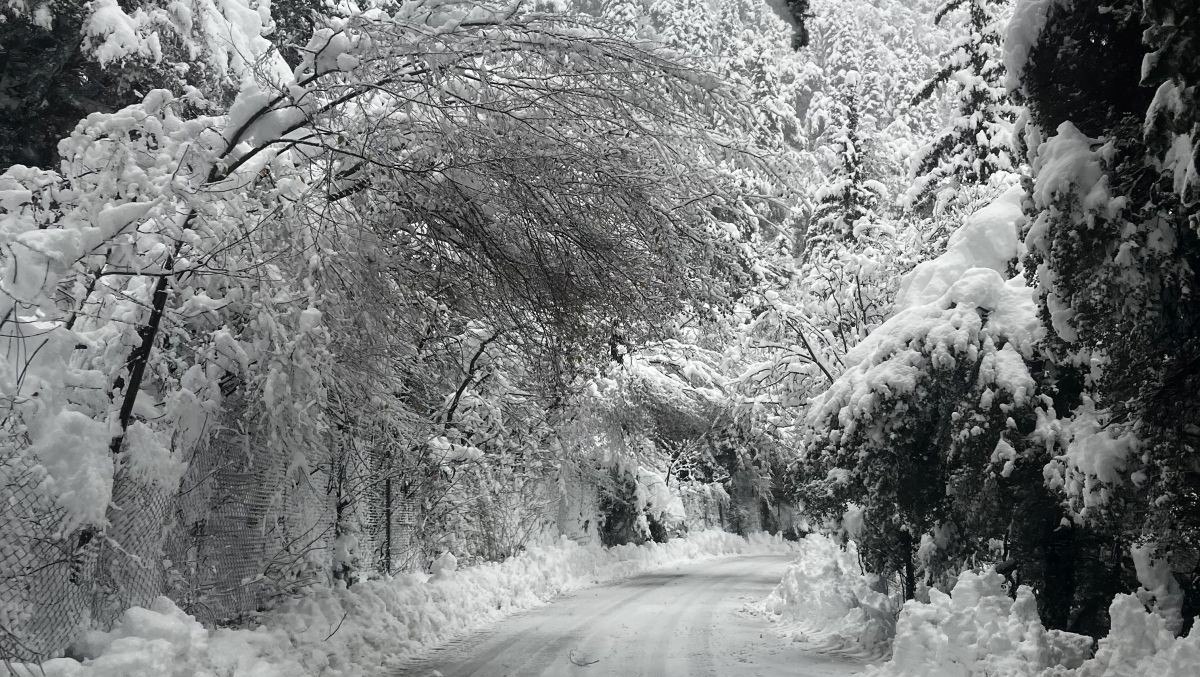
x=824 y=603
x=355 y=631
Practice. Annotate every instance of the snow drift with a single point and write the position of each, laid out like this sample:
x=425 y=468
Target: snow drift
x=344 y=632
x=825 y=602
x=980 y=631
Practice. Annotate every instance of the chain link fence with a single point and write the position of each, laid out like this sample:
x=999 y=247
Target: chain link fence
x=244 y=530
x=46 y=576
x=241 y=532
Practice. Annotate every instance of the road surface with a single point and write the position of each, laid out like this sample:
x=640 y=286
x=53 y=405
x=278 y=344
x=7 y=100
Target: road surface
x=686 y=621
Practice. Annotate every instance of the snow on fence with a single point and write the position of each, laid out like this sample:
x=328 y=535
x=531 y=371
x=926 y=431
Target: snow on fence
x=236 y=537
x=371 y=627
x=241 y=533
x=45 y=584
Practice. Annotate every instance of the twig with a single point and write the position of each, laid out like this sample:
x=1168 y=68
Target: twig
x=571 y=657
x=339 y=626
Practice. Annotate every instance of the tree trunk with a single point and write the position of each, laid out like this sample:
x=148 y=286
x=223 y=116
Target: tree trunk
x=910 y=576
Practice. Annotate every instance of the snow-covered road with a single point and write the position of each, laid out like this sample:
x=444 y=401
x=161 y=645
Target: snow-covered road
x=683 y=621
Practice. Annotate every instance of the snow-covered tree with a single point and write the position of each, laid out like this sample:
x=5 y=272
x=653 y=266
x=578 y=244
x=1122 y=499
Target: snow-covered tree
x=796 y=13
x=798 y=326
x=742 y=41
x=1113 y=249
x=905 y=435
x=366 y=271
x=975 y=145
x=66 y=59
x=847 y=205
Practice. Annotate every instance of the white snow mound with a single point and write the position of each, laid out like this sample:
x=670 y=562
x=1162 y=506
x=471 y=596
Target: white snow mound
x=364 y=629
x=988 y=239
x=826 y=604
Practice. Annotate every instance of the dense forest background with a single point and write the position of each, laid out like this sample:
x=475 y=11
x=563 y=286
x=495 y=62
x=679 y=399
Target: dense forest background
x=304 y=292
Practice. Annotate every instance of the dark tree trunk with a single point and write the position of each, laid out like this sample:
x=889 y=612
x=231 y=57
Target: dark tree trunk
x=1057 y=591
x=910 y=574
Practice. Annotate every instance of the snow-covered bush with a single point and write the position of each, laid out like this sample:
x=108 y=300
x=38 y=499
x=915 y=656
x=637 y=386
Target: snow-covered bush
x=920 y=424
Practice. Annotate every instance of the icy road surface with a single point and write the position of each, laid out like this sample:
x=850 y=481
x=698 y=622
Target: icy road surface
x=682 y=621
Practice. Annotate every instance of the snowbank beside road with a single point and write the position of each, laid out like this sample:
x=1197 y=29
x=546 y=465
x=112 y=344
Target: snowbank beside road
x=978 y=630
x=344 y=632
x=825 y=602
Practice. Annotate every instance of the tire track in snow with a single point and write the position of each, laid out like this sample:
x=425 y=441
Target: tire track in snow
x=684 y=621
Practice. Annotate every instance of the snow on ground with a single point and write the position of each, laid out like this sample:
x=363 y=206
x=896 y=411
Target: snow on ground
x=978 y=630
x=343 y=632
x=825 y=603
x=688 y=620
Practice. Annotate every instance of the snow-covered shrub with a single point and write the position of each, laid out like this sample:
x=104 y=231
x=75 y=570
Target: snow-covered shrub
x=919 y=430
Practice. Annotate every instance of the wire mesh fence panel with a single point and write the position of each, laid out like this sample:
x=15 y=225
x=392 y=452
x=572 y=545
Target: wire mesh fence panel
x=130 y=567
x=578 y=504
x=404 y=553
x=46 y=577
x=361 y=508
x=507 y=516
x=246 y=528
x=300 y=537
x=229 y=534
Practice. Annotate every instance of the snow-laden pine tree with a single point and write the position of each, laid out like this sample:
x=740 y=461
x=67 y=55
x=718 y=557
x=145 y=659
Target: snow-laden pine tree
x=1173 y=120
x=839 y=286
x=974 y=146
x=1113 y=250
x=847 y=206
x=893 y=47
x=797 y=13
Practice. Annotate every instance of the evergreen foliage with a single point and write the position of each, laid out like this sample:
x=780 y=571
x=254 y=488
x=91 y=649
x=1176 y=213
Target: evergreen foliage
x=974 y=147
x=1114 y=249
x=847 y=204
